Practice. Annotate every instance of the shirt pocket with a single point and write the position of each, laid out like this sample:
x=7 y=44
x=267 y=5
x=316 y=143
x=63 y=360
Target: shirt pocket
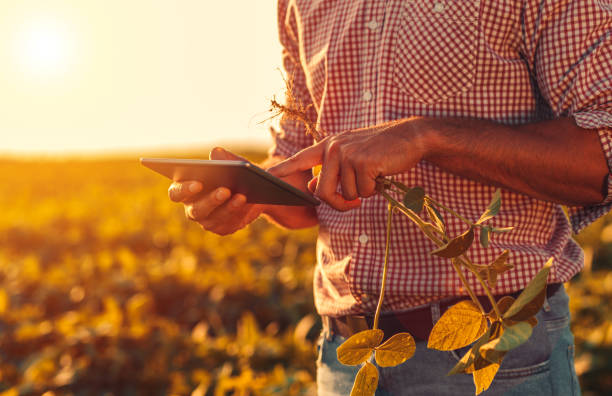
x=435 y=48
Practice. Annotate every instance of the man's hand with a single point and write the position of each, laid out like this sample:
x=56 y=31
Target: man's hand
x=224 y=213
x=531 y=159
x=218 y=211
x=356 y=159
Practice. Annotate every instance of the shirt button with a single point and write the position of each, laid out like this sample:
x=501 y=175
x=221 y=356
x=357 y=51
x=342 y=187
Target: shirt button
x=438 y=7
x=367 y=96
x=363 y=239
x=372 y=25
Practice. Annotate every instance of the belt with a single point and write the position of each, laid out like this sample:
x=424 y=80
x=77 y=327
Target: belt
x=417 y=322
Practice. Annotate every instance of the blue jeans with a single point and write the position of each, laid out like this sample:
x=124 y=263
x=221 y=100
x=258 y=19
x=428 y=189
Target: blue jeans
x=544 y=365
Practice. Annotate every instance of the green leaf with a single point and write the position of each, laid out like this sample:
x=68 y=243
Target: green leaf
x=493 y=207
x=530 y=309
x=511 y=338
x=533 y=292
x=456 y=246
x=358 y=348
x=484 y=236
x=414 y=199
x=501 y=230
x=435 y=216
x=396 y=350
x=366 y=381
x=460 y=325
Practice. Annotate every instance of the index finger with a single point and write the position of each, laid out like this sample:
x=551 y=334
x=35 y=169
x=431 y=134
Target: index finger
x=304 y=160
x=181 y=191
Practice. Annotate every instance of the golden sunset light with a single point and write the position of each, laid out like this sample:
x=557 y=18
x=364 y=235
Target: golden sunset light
x=93 y=76
x=45 y=47
x=419 y=205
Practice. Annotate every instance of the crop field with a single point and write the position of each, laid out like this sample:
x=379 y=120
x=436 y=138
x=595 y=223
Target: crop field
x=106 y=289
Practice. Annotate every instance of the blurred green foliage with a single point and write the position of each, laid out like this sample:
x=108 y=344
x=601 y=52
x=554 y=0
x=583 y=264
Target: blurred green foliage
x=106 y=289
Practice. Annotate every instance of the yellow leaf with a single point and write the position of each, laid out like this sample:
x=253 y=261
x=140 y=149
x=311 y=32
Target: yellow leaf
x=461 y=325
x=456 y=246
x=500 y=265
x=366 y=381
x=358 y=348
x=472 y=360
x=495 y=332
x=464 y=363
x=497 y=267
x=396 y=350
x=484 y=377
x=4 y=301
x=10 y=392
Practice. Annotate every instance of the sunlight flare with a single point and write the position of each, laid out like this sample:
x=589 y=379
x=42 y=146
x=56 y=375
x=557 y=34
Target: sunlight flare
x=45 y=47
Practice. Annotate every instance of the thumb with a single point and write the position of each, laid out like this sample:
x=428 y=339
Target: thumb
x=219 y=153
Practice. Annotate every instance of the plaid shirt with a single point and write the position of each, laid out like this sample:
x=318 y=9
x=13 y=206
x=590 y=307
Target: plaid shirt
x=362 y=63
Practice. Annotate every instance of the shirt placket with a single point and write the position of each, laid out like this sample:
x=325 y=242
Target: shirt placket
x=366 y=233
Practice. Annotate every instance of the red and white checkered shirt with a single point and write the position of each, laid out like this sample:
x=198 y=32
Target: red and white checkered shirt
x=362 y=63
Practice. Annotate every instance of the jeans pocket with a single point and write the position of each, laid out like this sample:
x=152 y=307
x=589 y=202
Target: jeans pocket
x=319 y=348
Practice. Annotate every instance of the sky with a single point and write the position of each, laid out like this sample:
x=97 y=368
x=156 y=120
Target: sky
x=107 y=75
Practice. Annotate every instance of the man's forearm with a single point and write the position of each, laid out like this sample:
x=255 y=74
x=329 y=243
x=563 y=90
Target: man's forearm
x=551 y=160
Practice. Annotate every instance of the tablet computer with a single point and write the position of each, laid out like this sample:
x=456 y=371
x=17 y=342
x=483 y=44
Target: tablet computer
x=257 y=185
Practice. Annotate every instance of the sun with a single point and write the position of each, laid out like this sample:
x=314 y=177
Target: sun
x=45 y=47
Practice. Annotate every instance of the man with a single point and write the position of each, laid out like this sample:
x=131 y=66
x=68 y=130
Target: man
x=458 y=97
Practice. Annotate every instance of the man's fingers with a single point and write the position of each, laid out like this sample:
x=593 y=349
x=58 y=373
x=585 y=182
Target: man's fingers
x=219 y=153
x=182 y=191
x=200 y=209
x=347 y=181
x=366 y=185
x=304 y=160
x=312 y=184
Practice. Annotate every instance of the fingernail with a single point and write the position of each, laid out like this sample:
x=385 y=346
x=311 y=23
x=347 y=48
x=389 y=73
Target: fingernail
x=238 y=202
x=221 y=194
x=194 y=187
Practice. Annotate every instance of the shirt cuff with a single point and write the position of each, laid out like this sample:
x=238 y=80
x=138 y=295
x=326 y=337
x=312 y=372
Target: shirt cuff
x=582 y=216
x=594 y=119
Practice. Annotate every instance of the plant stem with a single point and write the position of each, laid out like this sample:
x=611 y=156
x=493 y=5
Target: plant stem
x=484 y=286
x=464 y=260
x=414 y=217
x=467 y=286
x=449 y=210
x=385 y=267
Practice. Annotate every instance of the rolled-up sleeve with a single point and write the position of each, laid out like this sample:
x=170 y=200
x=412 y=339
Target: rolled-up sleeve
x=292 y=136
x=568 y=44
